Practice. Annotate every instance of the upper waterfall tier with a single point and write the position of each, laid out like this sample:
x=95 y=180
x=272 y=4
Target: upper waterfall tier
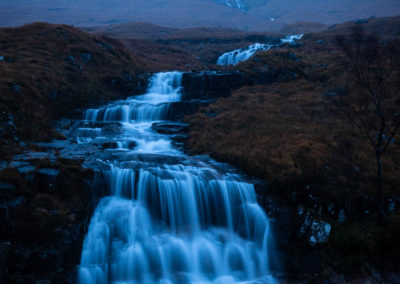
x=236 y=56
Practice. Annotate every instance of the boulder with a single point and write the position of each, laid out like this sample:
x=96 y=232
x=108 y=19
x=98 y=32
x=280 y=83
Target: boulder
x=170 y=127
x=179 y=138
x=319 y=232
x=8 y=209
x=315 y=231
x=132 y=145
x=71 y=58
x=86 y=57
x=45 y=178
x=109 y=145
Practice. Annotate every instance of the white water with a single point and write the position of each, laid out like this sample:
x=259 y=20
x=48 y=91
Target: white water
x=236 y=56
x=178 y=221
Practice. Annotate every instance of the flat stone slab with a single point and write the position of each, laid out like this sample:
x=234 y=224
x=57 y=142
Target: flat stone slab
x=170 y=127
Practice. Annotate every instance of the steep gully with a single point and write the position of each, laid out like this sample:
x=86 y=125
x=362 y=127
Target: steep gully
x=163 y=216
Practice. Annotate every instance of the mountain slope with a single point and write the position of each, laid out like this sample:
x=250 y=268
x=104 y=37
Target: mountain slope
x=47 y=70
x=243 y=14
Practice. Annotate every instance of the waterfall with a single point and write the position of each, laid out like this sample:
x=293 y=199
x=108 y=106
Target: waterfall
x=236 y=56
x=164 y=89
x=169 y=218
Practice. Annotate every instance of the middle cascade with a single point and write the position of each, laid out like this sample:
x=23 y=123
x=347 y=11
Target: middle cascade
x=170 y=218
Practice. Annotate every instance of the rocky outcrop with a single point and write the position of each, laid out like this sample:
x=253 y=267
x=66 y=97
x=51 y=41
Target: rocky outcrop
x=178 y=110
x=210 y=84
x=44 y=213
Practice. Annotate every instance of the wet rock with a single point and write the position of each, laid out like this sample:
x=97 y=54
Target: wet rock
x=300 y=210
x=3 y=165
x=26 y=156
x=342 y=216
x=46 y=178
x=179 y=138
x=132 y=145
x=315 y=231
x=292 y=56
x=169 y=127
x=109 y=145
x=295 y=44
x=306 y=224
x=128 y=78
x=49 y=172
x=210 y=114
x=22 y=144
x=54 y=94
x=71 y=59
x=8 y=208
x=114 y=128
x=98 y=124
x=392 y=205
x=26 y=169
x=331 y=209
x=329 y=95
x=319 y=232
x=16 y=89
x=210 y=85
x=6 y=190
x=86 y=57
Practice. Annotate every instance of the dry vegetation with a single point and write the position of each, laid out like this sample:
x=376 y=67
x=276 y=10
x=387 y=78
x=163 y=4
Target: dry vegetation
x=183 y=49
x=291 y=133
x=48 y=70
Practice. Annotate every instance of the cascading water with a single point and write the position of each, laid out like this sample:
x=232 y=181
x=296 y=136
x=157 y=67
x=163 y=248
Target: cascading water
x=170 y=218
x=236 y=56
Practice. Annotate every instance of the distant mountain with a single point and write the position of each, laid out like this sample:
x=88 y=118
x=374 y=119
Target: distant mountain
x=243 y=5
x=242 y=14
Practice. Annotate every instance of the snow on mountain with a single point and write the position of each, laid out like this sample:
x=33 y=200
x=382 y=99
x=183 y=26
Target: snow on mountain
x=243 y=5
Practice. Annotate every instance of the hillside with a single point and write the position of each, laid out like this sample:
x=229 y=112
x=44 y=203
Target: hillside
x=183 y=49
x=282 y=126
x=48 y=70
x=287 y=127
x=243 y=14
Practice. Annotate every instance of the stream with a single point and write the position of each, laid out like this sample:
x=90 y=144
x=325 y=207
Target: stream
x=166 y=217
